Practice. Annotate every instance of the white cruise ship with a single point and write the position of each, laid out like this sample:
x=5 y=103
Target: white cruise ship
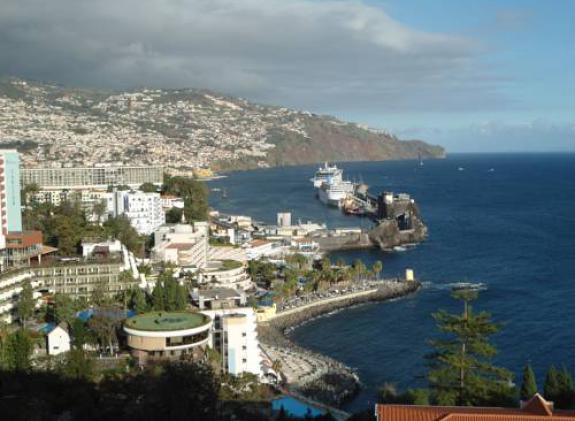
x=327 y=174
x=333 y=194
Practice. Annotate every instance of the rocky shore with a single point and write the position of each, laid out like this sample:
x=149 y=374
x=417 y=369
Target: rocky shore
x=387 y=234
x=314 y=375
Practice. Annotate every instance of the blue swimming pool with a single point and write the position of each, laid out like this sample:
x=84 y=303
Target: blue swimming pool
x=295 y=407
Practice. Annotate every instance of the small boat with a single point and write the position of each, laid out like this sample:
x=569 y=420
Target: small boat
x=216 y=189
x=399 y=248
x=491 y=170
x=460 y=169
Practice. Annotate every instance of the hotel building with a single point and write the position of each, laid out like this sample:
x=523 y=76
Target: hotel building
x=85 y=178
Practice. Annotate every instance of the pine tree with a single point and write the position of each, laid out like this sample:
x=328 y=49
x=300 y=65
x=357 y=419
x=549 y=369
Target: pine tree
x=138 y=301
x=551 y=389
x=528 y=384
x=158 y=296
x=170 y=294
x=25 y=307
x=461 y=372
x=566 y=397
x=181 y=297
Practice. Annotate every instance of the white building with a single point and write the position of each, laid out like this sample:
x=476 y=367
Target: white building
x=218 y=298
x=57 y=340
x=226 y=274
x=182 y=244
x=97 y=177
x=143 y=209
x=259 y=248
x=284 y=219
x=90 y=247
x=169 y=201
x=234 y=335
x=11 y=284
x=227 y=253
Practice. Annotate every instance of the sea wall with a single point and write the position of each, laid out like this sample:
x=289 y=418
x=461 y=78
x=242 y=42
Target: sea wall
x=317 y=376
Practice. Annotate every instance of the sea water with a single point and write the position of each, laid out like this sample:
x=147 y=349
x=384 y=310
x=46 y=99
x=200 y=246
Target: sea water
x=506 y=221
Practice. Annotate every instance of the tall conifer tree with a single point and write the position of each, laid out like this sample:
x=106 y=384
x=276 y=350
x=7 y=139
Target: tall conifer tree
x=461 y=372
x=528 y=384
x=551 y=389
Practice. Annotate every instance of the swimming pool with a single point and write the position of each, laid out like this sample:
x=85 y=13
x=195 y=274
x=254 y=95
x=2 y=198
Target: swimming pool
x=295 y=407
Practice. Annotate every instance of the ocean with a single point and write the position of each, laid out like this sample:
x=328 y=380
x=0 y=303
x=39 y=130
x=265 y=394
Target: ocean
x=505 y=220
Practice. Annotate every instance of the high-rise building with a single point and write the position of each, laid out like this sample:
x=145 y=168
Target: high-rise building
x=10 y=206
x=17 y=247
x=284 y=219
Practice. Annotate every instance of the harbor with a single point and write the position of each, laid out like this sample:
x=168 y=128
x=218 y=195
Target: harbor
x=396 y=217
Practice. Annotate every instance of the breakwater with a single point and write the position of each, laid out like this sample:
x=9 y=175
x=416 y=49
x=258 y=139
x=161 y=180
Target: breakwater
x=311 y=374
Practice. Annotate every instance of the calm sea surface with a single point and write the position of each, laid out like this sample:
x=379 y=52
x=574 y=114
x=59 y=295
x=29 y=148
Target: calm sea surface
x=511 y=228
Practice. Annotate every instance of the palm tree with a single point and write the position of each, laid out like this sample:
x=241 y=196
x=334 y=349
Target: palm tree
x=377 y=268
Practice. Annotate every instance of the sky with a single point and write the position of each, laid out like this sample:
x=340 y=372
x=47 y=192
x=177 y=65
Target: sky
x=472 y=75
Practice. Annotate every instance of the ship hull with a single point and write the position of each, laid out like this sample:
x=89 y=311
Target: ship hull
x=331 y=198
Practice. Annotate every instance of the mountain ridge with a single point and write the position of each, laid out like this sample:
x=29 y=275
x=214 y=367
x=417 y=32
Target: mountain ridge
x=181 y=129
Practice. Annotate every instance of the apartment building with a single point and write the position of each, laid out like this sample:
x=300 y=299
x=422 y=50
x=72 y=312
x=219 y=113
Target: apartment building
x=97 y=177
x=185 y=245
x=234 y=336
x=144 y=210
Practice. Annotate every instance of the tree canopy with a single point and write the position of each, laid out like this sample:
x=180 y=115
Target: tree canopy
x=25 y=306
x=168 y=294
x=528 y=384
x=461 y=371
x=195 y=195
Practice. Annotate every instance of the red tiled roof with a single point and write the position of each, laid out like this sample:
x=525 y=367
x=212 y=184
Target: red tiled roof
x=537 y=409
x=538 y=405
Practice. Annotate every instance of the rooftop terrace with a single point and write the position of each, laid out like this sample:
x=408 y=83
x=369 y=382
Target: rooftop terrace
x=166 y=321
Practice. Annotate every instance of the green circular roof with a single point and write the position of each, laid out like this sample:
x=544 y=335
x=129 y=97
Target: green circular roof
x=164 y=320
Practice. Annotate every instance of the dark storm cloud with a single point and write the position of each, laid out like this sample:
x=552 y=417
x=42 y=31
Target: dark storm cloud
x=310 y=54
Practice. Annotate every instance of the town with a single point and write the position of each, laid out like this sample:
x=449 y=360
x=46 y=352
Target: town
x=126 y=266
x=150 y=127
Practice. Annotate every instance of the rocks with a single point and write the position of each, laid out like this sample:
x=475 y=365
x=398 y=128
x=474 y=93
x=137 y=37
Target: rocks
x=316 y=376
x=387 y=234
x=333 y=388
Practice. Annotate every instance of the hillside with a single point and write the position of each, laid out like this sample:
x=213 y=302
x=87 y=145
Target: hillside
x=180 y=129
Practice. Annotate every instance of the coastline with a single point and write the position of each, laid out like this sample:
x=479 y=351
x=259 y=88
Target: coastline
x=311 y=374
x=225 y=168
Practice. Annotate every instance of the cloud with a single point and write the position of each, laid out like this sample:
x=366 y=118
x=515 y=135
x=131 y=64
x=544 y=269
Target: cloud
x=497 y=136
x=317 y=55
